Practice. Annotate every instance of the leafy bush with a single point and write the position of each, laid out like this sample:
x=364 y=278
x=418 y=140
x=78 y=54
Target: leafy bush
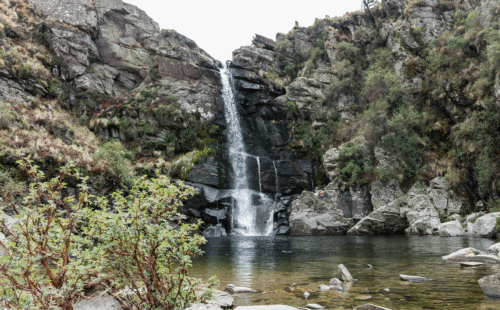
x=111 y=158
x=353 y=164
x=61 y=246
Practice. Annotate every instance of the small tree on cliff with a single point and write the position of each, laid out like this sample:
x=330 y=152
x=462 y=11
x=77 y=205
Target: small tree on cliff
x=61 y=246
x=367 y=5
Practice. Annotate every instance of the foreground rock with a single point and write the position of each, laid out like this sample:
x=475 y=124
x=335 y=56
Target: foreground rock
x=451 y=229
x=270 y=307
x=470 y=264
x=314 y=306
x=414 y=278
x=240 y=289
x=345 y=275
x=370 y=307
x=491 y=285
x=204 y=307
x=495 y=247
x=221 y=299
x=102 y=303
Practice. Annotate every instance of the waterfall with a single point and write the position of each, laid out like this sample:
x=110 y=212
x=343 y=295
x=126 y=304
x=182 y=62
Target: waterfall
x=251 y=211
x=277 y=179
x=260 y=182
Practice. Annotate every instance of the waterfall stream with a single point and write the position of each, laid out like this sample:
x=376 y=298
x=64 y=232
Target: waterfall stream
x=252 y=212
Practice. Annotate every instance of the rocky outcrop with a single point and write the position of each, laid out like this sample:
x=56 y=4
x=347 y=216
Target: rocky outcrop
x=418 y=212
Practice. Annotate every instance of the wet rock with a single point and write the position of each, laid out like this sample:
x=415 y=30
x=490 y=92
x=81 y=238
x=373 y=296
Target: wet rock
x=470 y=264
x=314 y=306
x=306 y=294
x=451 y=229
x=414 y=278
x=239 y=289
x=495 y=247
x=485 y=225
x=345 y=275
x=205 y=172
x=363 y=297
x=221 y=299
x=370 y=307
x=101 y=303
x=215 y=231
x=462 y=255
x=323 y=287
x=491 y=285
x=335 y=282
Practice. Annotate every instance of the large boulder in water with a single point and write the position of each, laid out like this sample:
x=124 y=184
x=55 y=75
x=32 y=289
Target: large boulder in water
x=491 y=285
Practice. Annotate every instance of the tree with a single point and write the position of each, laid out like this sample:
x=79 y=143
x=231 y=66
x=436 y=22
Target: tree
x=368 y=5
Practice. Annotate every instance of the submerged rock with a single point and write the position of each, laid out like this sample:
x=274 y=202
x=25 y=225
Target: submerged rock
x=463 y=254
x=414 y=278
x=490 y=285
x=314 y=306
x=270 y=307
x=345 y=275
x=470 y=264
x=324 y=287
x=215 y=231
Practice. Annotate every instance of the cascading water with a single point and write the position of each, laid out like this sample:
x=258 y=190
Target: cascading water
x=251 y=212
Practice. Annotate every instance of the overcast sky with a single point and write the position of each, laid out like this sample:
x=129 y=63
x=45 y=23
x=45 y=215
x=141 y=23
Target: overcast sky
x=221 y=26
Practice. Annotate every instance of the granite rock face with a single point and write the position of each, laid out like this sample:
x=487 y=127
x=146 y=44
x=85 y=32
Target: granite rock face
x=484 y=226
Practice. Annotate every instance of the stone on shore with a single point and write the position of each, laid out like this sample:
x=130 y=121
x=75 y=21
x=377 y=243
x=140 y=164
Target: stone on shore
x=484 y=226
x=240 y=289
x=414 y=278
x=102 y=303
x=324 y=287
x=490 y=285
x=370 y=307
x=345 y=275
x=204 y=307
x=221 y=299
x=306 y=294
x=451 y=229
x=269 y=307
x=336 y=284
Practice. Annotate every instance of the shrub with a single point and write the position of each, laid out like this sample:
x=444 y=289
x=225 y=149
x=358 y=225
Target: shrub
x=60 y=247
x=145 y=250
x=47 y=264
x=110 y=158
x=353 y=166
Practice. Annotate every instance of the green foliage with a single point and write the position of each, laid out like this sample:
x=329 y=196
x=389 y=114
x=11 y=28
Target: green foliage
x=348 y=51
x=62 y=246
x=48 y=264
x=144 y=248
x=111 y=159
x=10 y=188
x=353 y=164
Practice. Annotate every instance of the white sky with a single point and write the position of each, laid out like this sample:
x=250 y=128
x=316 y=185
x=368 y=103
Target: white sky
x=221 y=26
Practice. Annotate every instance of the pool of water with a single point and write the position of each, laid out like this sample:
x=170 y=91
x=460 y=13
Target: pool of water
x=272 y=264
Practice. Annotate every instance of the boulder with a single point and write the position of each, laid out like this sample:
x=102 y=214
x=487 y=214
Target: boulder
x=495 y=247
x=384 y=193
x=7 y=223
x=470 y=264
x=385 y=220
x=263 y=42
x=204 y=307
x=214 y=231
x=413 y=278
x=463 y=254
x=491 y=285
x=345 y=275
x=323 y=287
x=451 y=229
x=484 y=226
x=2 y=240
x=270 y=307
x=314 y=306
x=239 y=289
x=221 y=299
x=370 y=307
x=100 y=303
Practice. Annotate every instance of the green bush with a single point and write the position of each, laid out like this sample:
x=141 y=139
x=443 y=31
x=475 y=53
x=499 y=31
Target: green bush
x=353 y=165
x=61 y=247
x=111 y=158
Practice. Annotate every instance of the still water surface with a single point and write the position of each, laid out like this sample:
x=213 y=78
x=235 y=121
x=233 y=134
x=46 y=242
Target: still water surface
x=271 y=264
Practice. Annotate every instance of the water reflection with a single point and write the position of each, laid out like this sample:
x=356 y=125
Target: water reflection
x=273 y=263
